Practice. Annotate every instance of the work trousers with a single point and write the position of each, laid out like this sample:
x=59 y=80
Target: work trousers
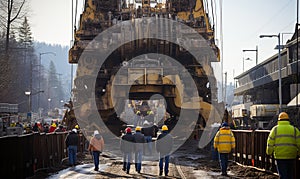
x=126 y=160
x=138 y=160
x=285 y=168
x=223 y=162
x=72 y=150
x=162 y=159
x=96 y=155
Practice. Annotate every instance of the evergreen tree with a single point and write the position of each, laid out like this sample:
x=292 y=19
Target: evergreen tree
x=55 y=91
x=26 y=68
x=25 y=35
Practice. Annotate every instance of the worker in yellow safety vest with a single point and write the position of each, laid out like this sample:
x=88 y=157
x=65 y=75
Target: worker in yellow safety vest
x=284 y=142
x=224 y=142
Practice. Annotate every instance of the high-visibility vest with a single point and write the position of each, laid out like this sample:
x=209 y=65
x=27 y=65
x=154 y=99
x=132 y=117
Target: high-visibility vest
x=224 y=140
x=284 y=141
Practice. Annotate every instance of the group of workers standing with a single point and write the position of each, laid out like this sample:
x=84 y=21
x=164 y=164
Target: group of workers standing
x=131 y=143
x=134 y=143
x=283 y=142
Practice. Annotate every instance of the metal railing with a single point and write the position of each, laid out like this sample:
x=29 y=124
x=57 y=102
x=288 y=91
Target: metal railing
x=22 y=155
x=251 y=150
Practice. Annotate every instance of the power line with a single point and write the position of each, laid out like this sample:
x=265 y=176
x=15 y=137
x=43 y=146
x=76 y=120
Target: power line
x=271 y=19
x=290 y=23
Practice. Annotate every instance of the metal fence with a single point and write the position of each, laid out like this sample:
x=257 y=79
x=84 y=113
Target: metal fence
x=251 y=150
x=22 y=155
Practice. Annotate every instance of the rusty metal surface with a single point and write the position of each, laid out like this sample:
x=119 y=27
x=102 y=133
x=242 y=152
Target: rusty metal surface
x=22 y=155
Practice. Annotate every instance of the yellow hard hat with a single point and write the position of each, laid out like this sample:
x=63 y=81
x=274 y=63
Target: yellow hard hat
x=138 y=128
x=283 y=115
x=76 y=127
x=164 y=128
x=53 y=125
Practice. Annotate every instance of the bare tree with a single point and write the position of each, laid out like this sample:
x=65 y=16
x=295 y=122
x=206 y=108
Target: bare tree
x=10 y=11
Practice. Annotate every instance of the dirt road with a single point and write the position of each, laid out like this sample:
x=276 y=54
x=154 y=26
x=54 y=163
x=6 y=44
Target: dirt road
x=187 y=162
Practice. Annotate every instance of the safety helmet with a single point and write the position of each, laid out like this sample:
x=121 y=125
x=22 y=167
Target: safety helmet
x=74 y=130
x=138 y=128
x=77 y=127
x=164 y=128
x=53 y=125
x=96 y=132
x=283 y=116
x=128 y=130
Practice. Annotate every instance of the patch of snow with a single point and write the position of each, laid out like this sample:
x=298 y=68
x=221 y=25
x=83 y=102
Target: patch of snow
x=195 y=157
x=79 y=171
x=201 y=174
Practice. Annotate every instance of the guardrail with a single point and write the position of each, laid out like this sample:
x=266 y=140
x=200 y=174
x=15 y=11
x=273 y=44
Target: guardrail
x=22 y=155
x=251 y=150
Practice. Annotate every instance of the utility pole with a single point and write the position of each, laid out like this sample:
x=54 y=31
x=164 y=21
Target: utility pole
x=40 y=65
x=225 y=87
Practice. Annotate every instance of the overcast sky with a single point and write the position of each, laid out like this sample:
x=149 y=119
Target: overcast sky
x=243 y=22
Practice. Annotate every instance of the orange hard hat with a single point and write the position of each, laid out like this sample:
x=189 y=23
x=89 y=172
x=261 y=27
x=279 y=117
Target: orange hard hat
x=283 y=115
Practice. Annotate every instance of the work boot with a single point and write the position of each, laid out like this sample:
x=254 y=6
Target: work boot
x=224 y=174
x=124 y=166
x=160 y=173
x=127 y=172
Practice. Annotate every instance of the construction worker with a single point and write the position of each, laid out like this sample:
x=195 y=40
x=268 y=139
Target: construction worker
x=139 y=140
x=52 y=127
x=164 y=146
x=284 y=142
x=126 y=146
x=71 y=143
x=96 y=146
x=224 y=142
x=148 y=130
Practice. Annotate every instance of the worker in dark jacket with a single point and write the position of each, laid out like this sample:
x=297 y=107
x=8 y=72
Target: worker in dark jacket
x=164 y=146
x=71 y=143
x=149 y=130
x=284 y=142
x=139 y=140
x=126 y=146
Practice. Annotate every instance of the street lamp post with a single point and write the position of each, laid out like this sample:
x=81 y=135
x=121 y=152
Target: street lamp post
x=40 y=60
x=49 y=105
x=244 y=62
x=279 y=68
x=256 y=50
x=28 y=93
x=50 y=97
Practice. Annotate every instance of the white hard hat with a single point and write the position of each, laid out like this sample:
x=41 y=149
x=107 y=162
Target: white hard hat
x=74 y=130
x=146 y=122
x=96 y=132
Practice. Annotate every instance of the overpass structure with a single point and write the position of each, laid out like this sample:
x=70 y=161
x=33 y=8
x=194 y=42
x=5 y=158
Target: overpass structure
x=260 y=84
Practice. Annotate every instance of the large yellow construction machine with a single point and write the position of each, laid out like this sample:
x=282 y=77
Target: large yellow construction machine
x=133 y=70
